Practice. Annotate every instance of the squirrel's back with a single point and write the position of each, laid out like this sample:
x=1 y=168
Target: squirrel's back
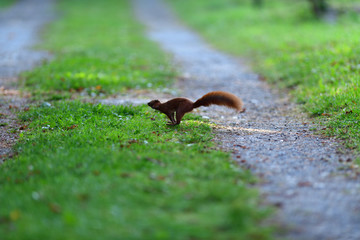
x=220 y=98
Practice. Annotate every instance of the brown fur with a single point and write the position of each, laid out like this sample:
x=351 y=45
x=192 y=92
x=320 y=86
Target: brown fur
x=180 y=106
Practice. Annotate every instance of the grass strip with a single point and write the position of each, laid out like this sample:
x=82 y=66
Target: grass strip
x=99 y=48
x=317 y=62
x=6 y=3
x=85 y=171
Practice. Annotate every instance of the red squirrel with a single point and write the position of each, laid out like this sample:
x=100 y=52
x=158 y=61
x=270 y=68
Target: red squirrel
x=184 y=105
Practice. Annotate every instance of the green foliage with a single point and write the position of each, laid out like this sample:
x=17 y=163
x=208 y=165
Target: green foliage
x=317 y=62
x=87 y=170
x=6 y=3
x=99 y=48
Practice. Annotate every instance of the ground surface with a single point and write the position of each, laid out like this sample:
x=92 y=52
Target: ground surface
x=19 y=29
x=301 y=172
x=316 y=188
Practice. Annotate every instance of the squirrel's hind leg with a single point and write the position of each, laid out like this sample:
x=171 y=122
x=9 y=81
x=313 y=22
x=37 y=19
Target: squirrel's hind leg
x=171 y=116
x=179 y=116
x=182 y=109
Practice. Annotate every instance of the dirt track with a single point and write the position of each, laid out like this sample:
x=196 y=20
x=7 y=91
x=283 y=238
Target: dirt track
x=317 y=194
x=20 y=26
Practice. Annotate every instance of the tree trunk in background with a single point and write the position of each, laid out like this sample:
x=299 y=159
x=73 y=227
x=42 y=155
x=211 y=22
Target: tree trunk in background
x=257 y=3
x=319 y=7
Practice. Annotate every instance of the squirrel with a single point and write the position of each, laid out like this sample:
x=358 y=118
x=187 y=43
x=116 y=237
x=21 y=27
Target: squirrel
x=184 y=105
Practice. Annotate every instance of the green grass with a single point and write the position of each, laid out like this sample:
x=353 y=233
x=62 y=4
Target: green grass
x=99 y=48
x=90 y=171
x=6 y=3
x=85 y=171
x=317 y=62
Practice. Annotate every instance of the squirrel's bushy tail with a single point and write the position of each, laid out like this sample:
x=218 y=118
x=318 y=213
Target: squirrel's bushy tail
x=220 y=98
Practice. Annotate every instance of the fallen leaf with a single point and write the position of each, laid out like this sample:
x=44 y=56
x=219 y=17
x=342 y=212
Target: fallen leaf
x=161 y=178
x=72 y=127
x=55 y=208
x=241 y=146
x=262 y=78
x=83 y=197
x=14 y=215
x=125 y=175
x=13 y=107
x=23 y=127
x=304 y=184
x=79 y=89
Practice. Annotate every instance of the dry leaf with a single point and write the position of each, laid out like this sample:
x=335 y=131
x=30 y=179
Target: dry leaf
x=14 y=215
x=72 y=127
x=55 y=208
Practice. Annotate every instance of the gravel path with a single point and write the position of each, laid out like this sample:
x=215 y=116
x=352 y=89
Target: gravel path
x=316 y=190
x=19 y=28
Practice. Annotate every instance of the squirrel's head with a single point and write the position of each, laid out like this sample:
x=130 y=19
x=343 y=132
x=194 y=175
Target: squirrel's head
x=154 y=104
